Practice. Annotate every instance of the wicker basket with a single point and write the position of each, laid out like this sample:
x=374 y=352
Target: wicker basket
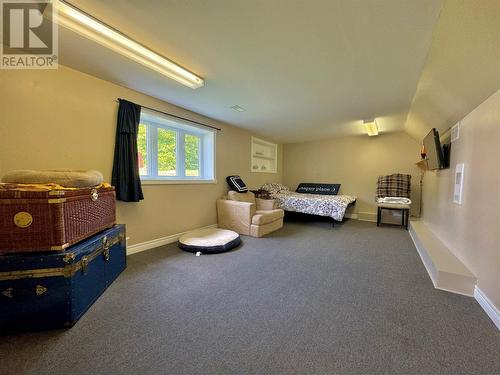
x=51 y=219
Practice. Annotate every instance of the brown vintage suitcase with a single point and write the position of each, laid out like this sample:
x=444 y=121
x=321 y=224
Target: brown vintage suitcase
x=49 y=217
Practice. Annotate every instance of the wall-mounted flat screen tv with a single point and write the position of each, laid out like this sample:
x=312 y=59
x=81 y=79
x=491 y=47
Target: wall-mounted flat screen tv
x=434 y=152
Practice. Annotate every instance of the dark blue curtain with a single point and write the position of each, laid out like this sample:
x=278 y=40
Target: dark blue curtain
x=125 y=177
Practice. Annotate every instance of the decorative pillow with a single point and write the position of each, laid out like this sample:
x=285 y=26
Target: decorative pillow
x=64 y=177
x=274 y=187
x=321 y=189
x=236 y=184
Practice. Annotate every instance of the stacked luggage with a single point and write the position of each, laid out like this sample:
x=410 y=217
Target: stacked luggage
x=59 y=250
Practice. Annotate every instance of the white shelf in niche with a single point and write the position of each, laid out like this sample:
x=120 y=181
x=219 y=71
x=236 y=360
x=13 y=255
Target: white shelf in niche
x=264 y=156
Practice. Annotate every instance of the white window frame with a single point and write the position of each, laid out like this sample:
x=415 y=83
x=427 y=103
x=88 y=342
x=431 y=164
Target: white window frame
x=206 y=150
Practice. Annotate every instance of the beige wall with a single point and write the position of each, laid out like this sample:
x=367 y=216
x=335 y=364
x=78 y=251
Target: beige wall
x=470 y=230
x=462 y=67
x=67 y=119
x=462 y=70
x=355 y=162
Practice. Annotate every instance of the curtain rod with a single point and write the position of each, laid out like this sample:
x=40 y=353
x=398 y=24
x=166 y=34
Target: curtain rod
x=171 y=114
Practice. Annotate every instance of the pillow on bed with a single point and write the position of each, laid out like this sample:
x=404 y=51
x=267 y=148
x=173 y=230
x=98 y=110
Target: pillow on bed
x=321 y=189
x=237 y=184
x=274 y=187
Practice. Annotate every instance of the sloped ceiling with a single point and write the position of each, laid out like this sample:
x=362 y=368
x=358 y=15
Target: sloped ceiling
x=303 y=70
x=463 y=66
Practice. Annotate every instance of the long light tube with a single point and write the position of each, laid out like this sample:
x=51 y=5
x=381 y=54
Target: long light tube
x=86 y=25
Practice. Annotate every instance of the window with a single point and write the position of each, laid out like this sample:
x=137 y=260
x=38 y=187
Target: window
x=174 y=150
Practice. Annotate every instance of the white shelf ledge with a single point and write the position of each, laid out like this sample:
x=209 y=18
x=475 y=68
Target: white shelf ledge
x=446 y=271
x=264 y=156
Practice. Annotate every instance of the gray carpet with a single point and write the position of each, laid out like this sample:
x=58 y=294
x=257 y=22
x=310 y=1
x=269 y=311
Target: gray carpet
x=306 y=300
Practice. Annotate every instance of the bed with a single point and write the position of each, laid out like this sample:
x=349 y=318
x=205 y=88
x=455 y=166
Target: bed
x=333 y=206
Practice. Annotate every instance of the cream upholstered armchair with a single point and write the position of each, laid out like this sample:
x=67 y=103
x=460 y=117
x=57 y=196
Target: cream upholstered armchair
x=245 y=214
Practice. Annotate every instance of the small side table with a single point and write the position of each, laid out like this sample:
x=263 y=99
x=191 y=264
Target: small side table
x=405 y=213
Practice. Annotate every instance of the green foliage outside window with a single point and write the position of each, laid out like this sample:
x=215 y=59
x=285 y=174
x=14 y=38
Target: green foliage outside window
x=192 y=146
x=166 y=152
x=142 y=147
x=167 y=164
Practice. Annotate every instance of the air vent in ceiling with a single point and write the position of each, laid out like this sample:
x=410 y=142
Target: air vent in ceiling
x=238 y=108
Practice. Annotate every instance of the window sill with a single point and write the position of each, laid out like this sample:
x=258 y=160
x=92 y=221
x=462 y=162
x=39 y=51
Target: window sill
x=177 y=182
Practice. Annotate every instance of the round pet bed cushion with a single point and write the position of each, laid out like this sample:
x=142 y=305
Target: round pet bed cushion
x=64 y=177
x=209 y=240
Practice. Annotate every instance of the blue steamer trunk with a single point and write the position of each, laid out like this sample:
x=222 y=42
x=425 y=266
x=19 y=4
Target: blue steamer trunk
x=53 y=290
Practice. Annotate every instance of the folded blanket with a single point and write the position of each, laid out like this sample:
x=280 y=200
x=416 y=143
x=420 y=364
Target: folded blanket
x=395 y=200
x=394 y=185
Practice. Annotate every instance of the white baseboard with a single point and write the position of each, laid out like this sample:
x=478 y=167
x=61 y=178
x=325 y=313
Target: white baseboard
x=367 y=216
x=143 y=246
x=487 y=306
x=351 y=216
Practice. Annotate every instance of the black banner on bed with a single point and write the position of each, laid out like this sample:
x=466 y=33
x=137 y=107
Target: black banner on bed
x=323 y=189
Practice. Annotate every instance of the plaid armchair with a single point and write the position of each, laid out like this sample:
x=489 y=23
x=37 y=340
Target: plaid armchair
x=392 y=186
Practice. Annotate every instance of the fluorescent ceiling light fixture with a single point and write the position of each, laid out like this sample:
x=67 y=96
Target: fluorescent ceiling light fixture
x=371 y=127
x=238 y=108
x=91 y=28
